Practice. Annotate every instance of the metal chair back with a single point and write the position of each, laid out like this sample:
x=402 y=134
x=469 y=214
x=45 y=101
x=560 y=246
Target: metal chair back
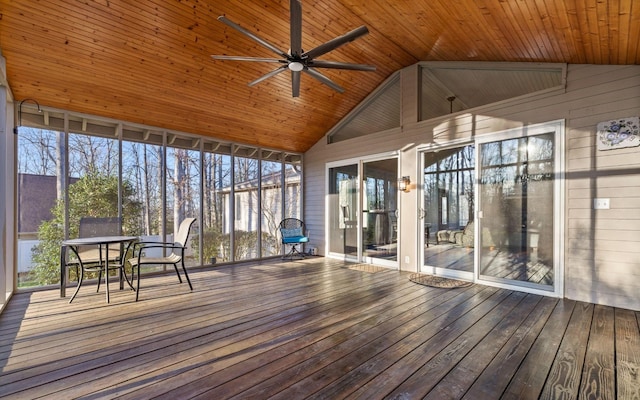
x=96 y=227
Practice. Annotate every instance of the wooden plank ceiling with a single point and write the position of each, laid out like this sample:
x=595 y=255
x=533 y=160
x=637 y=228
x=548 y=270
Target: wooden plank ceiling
x=149 y=61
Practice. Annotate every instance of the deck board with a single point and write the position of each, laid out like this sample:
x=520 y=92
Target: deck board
x=500 y=370
x=598 y=377
x=456 y=383
x=564 y=377
x=314 y=328
x=627 y=367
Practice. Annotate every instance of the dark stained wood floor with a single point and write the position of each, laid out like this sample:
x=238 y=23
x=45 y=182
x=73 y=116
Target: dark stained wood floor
x=314 y=329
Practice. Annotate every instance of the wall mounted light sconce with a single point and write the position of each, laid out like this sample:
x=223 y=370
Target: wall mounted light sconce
x=15 y=130
x=404 y=184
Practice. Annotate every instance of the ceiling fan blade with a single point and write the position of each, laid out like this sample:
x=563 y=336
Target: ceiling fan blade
x=295 y=83
x=296 y=28
x=263 y=42
x=242 y=58
x=335 y=43
x=324 y=80
x=268 y=75
x=340 y=65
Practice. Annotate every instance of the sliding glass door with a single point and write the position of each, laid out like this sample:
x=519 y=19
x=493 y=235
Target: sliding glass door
x=491 y=209
x=343 y=211
x=362 y=211
x=448 y=212
x=379 y=212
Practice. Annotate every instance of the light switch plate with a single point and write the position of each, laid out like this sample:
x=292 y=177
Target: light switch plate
x=600 y=204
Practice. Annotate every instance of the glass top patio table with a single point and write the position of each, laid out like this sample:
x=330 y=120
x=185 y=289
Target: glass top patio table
x=92 y=241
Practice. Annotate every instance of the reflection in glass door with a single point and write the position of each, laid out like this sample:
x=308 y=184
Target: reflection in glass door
x=516 y=193
x=379 y=211
x=448 y=212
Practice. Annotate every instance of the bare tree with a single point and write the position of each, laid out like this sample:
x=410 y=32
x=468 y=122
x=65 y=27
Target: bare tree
x=40 y=157
x=91 y=153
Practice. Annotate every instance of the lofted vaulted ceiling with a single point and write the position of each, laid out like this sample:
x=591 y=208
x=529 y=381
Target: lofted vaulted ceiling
x=148 y=62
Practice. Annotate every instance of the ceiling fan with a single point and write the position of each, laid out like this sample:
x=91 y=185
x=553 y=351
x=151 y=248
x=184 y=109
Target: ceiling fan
x=297 y=60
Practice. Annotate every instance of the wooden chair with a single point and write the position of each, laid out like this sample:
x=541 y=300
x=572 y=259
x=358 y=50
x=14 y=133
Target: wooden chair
x=177 y=248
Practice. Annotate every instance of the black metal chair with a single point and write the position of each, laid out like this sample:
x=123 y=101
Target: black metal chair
x=293 y=233
x=92 y=258
x=177 y=248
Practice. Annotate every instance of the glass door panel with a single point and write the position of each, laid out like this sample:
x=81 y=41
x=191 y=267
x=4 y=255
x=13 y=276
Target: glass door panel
x=448 y=212
x=516 y=184
x=379 y=207
x=343 y=211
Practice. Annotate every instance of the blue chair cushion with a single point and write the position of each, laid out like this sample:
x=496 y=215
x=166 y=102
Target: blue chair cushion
x=294 y=239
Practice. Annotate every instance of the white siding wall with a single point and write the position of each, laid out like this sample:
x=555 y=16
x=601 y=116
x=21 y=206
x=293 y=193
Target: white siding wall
x=603 y=246
x=602 y=253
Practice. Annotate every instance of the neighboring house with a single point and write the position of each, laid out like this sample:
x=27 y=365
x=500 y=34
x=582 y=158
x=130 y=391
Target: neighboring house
x=248 y=214
x=246 y=202
x=36 y=198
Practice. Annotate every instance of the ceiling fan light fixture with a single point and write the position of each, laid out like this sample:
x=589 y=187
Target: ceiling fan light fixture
x=296 y=59
x=296 y=66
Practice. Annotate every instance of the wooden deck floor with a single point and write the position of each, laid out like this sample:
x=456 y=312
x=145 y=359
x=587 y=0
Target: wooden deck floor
x=314 y=329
